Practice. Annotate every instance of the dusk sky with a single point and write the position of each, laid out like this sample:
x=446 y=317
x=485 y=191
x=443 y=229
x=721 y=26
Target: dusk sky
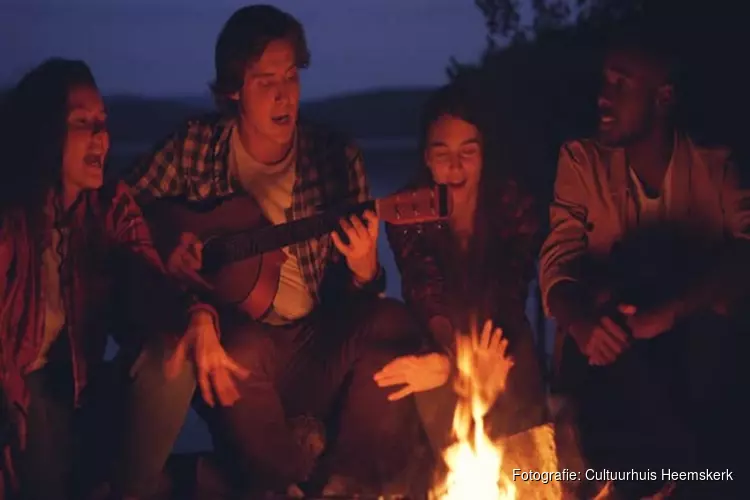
x=165 y=47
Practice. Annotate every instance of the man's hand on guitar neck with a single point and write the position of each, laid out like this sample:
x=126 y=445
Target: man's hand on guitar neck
x=214 y=367
x=361 y=252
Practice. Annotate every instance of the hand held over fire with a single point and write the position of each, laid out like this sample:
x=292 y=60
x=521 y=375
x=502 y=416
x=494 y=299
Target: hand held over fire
x=414 y=374
x=487 y=362
x=483 y=364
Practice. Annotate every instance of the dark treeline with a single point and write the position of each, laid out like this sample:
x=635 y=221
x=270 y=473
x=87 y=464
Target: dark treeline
x=543 y=85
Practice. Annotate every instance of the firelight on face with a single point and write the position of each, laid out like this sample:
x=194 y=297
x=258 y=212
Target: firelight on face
x=454 y=156
x=269 y=98
x=86 y=141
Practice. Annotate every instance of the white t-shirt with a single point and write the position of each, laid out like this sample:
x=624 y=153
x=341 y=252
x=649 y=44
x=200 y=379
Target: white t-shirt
x=272 y=186
x=652 y=210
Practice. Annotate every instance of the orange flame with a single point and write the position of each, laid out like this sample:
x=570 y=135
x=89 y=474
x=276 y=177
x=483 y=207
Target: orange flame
x=474 y=461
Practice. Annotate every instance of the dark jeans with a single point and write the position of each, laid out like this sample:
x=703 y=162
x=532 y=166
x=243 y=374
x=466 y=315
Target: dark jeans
x=153 y=414
x=316 y=367
x=66 y=447
x=521 y=407
x=664 y=404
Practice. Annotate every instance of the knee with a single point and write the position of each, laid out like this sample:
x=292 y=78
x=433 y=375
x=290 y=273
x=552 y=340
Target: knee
x=253 y=350
x=157 y=364
x=156 y=383
x=390 y=320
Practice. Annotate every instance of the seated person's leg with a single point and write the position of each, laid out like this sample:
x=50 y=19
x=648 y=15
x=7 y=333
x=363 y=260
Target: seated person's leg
x=98 y=427
x=45 y=465
x=523 y=404
x=629 y=419
x=376 y=437
x=717 y=398
x=436 y=408
x=262 y=448
x=155 y=408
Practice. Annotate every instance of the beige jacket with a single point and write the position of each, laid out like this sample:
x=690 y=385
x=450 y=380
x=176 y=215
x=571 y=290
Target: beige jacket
x=595 y=204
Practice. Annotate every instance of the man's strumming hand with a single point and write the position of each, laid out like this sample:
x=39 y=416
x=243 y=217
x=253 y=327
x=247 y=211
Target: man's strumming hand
x=215 y=369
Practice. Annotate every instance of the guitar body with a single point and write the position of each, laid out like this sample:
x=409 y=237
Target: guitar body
x=249 y=284
x=242 y=250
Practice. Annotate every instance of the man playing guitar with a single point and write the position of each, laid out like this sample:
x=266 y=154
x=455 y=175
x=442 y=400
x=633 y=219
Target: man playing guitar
x=327 y=325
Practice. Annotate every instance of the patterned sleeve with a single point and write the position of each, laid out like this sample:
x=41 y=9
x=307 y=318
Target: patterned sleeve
x=132 y=238
x=422 y=282
x=6 y=257
x=358 y=191
x=735 y=196
x=566 y=243
x=161 y=173
x=519 y=236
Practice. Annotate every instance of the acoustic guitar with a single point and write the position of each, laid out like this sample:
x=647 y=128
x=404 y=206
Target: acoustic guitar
x=242 y=250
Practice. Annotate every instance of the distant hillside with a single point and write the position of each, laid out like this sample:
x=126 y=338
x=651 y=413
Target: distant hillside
x=387 y=113
x=136 y=119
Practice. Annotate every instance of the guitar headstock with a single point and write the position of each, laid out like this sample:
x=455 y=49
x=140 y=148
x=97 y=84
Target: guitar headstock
x=417 y=205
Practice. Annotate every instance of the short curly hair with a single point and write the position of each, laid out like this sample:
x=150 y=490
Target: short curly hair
x=651 y=41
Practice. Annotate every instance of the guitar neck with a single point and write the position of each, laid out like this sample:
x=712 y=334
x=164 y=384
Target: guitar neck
x=245 y=244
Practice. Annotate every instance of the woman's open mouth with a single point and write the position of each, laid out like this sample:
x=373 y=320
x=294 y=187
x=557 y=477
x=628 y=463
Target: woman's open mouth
x=94 y=160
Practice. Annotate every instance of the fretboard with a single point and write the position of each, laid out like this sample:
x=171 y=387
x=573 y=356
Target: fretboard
x=241 y=245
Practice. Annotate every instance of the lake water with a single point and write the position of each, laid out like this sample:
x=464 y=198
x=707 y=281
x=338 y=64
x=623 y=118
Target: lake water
x=389 y=162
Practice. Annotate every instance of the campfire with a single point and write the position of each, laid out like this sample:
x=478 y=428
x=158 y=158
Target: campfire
x=478 y=467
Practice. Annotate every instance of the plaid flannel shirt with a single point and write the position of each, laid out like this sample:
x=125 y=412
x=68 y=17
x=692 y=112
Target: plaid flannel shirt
x=109 y=250
x=423 y=256
x=194 y=163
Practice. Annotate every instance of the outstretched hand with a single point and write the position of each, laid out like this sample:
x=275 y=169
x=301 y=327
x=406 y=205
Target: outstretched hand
x=487 y=365
x=216 y=371
x=414 y=374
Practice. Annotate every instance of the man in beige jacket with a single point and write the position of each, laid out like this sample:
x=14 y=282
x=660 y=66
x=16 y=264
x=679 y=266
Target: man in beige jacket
x=639 y=175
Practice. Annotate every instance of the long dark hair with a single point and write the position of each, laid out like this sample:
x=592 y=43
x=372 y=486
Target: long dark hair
x=468 y=99
x=33 y=129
